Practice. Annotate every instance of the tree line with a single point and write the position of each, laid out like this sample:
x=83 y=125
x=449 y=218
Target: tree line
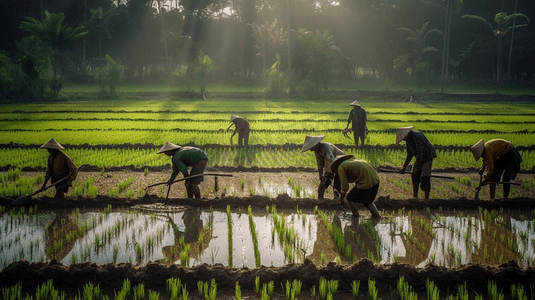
x=250 y=40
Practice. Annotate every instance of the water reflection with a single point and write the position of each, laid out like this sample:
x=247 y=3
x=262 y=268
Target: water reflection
x=138 y=238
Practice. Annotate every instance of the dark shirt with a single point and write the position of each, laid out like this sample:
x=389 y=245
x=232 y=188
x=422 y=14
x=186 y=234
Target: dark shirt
x=419 y=146
x=357 y=116
x=60 y=166
x=186 y=157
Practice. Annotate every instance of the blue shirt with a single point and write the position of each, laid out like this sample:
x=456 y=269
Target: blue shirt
x=419 y=146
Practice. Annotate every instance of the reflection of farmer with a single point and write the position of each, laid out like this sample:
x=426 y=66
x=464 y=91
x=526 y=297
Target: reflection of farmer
x=502 y=160
x=357 y=118
x=366 y=182
x=194 y=227
x=59 y=166
x=182 y=158
x=56 y=234
x=242 y=128
x=325 y=154
x=421 y=148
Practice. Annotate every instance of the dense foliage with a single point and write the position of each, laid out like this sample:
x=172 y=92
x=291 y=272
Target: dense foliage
x=330 y=41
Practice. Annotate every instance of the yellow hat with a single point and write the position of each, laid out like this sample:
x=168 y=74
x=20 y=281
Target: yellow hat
x=338 y=160
x=168 y=147
x=52 y=144
x=233 y=117
x=355 y=103
x=401 y=133
x=477 y=149
x=311 y=141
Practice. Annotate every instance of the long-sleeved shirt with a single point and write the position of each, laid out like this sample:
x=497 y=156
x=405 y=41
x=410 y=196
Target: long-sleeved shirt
x=60 y=166
x=419 y=146
x=357 y=118
x=360 y=172
x=242 y=126
x=325 y=155
x=186 y=157
x=493 y=150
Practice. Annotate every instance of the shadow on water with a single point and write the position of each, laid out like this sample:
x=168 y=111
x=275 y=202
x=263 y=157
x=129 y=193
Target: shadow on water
x=191 y=237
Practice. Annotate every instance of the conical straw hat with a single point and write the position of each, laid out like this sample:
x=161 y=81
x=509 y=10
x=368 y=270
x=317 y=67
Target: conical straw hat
x=355 y=103
x=338 y=160
x=311 y=141
x=52 y=144
x=168 y=147
x=477 y=149
x=401 y=133
x=233 y=117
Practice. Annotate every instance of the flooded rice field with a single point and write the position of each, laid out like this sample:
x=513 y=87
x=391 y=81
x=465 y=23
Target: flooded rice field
x=254 y=237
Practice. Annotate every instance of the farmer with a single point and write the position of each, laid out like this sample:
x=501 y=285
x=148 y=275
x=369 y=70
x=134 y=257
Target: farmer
x=421 y=148
x=366 y=182
x=59 y=166
x=182 y=158
x=242 y=128
x=502 y=159
x=357 y=118
x=325 y=154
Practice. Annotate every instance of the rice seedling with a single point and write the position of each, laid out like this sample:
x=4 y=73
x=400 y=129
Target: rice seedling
x=252 y=191
x=237 y=293
x=257 y=287
x=404 y=291
x=153 y=295
x=327 y=288
x=229 y=225
x=493 y=293
x=355 y=286
x=433 y=293
x=254 y=236
x=372 y=290
x=174 y=288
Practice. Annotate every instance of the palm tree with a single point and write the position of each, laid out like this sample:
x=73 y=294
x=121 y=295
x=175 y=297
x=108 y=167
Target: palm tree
x=418 y=39
x=502 y=21
x=57 y=38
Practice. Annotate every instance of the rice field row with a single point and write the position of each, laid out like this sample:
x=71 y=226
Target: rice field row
x=195 y=137
x=257 y=126
x=263 y=157
x=275 y=107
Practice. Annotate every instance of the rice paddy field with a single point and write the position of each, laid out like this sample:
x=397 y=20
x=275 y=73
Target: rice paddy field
x=261 y=234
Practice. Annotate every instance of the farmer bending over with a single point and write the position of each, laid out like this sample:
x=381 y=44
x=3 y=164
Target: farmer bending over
x=242 y=128
x=182 y=158
x=502 y=159
x=419 y=146
x=59 y=166
x=366 y=182
x=325 y=154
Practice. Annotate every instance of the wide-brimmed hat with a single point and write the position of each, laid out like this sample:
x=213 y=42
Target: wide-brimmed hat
x=233 y=117
x=477 y=149
x=311 y=141
x=52 y=144
x=401 y=133
x=168 y=147
x=355 y=103
x=338 y=160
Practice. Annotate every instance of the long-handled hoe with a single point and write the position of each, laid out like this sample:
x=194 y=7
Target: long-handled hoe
x=408 y=172
x=181 y=179
x=21 y=200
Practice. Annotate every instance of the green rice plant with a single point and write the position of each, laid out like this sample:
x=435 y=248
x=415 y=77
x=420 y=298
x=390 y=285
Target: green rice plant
x=254 y=236
x=185 y=293
x=230 y=246
x=464 y=180
x=210 y=292
x=139 y=292
x=433 y=293
x=13 y=292
x=257 y=287
x=237 y=293
x=174 y=287
x=404 y=291
x=200 y=288
x=518 y=292
x=327 y=288
x=242 y=183
x=252 y=191
x=125 y=291
x=146 y=171
x=372 y=290
x=153 y=295
x=48 y=291
x=355 y=286
x=493 y=293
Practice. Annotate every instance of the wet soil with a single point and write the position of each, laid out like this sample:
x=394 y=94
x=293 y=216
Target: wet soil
x=395 y=193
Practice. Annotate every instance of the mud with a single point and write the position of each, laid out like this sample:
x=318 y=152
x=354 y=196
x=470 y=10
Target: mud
x=110 y=277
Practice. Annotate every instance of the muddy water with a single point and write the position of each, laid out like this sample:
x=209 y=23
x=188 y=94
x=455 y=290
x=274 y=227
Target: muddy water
x=191 y=236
